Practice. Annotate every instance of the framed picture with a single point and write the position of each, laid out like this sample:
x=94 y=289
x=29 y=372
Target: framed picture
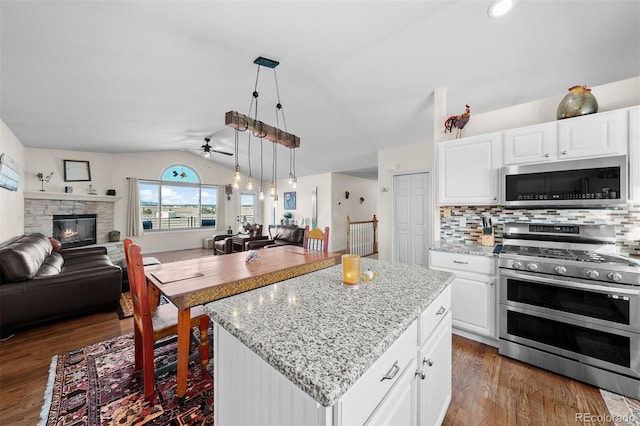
x=76 y=171
x=289 y=200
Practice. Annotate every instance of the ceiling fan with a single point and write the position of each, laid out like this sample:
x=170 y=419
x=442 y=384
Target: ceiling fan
x=207 y=149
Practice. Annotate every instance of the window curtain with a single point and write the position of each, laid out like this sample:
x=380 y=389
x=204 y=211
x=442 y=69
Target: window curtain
x=134 y=220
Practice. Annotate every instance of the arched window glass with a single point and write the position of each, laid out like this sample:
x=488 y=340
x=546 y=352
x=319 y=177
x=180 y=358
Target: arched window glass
x=178 y=201
x=180 y=173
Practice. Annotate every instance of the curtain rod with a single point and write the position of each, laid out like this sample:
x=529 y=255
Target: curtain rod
x=174 y=181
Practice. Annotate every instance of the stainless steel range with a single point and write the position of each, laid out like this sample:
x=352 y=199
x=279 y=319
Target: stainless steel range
x=570 y=304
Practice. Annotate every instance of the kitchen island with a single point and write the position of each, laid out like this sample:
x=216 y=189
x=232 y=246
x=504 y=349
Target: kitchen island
x=310 y=351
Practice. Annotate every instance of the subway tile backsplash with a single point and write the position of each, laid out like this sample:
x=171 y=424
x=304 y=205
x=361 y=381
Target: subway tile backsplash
x=463 y=224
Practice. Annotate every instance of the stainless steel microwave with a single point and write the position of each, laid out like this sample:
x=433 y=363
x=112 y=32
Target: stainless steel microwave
x=590 y=182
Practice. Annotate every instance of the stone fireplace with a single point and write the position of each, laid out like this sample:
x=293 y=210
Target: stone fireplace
x=40 y=208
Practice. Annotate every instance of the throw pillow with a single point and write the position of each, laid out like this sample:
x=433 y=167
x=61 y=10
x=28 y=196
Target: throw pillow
x=55 y=244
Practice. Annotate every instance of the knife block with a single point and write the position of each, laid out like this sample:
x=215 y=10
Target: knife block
x=487 y=240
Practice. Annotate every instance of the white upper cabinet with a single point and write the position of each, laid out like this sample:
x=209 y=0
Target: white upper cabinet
x=468 y=170
x=532 y=144
x=588 y=136
x=634 y=155
x=593 y=135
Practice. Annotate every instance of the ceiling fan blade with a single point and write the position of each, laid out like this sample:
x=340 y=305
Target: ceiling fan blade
x=222 y=152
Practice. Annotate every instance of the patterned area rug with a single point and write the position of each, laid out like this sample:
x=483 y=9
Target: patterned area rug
x=125 y=308
x=96 y=385
x=624 y=411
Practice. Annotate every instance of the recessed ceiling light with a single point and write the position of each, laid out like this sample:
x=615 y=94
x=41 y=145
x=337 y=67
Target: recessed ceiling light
x=500 y=8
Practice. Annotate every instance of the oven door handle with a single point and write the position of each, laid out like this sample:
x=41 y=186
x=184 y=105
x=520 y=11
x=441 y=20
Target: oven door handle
x=633 y=291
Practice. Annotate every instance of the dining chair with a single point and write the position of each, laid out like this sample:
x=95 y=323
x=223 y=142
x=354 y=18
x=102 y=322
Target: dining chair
x=316 y=240
x=152 y=328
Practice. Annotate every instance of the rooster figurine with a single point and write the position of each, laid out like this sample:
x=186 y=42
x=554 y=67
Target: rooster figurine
x=457 y=121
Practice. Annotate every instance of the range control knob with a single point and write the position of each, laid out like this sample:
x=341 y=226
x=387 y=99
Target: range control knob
x=532 y=266
x=593 y=274
x=516 y=265
x=560 y=270
x=614 y=276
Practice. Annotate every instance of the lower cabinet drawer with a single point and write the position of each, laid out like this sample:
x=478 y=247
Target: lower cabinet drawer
x=436 y=311
x=366 y=394
x=462 y=262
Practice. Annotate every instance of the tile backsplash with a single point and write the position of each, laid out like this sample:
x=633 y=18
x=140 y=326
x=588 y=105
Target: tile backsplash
x=463 y=224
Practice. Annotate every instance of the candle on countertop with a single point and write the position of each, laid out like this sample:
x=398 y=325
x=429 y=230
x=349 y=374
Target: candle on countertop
x=350 y=269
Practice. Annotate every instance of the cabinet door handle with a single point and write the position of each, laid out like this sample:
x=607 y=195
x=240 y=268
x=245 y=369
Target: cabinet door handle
x=460 y=262
x=421 y=374
x=564 y=152
x=546 y=154
x=392 y=372
x=491 y=283
x=427 y=361
x=441 y=311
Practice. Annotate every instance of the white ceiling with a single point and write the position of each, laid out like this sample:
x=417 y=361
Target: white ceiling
x=354 y=76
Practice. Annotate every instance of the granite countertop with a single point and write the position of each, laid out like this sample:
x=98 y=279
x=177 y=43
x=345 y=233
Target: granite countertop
x=323 y=336
x=464 y=248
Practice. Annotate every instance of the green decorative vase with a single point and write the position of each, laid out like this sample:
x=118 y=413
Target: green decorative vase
x=579 y=101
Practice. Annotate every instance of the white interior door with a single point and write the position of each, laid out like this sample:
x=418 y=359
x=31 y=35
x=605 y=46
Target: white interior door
x=411 y=218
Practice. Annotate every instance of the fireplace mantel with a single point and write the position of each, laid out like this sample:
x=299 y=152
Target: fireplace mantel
x=38 y=195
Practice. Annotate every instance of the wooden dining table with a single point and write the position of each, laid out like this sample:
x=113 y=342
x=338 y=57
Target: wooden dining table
x=193 y=282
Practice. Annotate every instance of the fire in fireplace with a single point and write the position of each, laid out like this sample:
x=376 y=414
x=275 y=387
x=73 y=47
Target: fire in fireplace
x=75 y=230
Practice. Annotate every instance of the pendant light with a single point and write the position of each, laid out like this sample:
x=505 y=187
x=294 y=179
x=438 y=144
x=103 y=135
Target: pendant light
x=261 y=189
x=259 y=129
x=236 y=173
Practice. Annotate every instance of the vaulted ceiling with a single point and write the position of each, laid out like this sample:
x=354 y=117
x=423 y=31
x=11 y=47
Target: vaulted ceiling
x=354 y=76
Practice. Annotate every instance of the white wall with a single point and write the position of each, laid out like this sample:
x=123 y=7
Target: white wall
x=12 y=202
x=333 y=208
x=303 y=200
x=616 y=95
x=352 y=207
x=110 y=171
x=422 y=156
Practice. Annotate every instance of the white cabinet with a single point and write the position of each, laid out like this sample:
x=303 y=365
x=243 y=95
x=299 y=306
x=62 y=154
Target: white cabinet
x=474 y=293
x=434 y=386
x=588 y=136
x=468 y=170
x=531 y=144
x=593 y=135
x=634 y=155
x=380 y=381
x=399 y=406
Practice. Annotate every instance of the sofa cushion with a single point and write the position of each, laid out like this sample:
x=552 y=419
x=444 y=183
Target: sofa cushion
x=22 y=259
x=52 y=265
x=290 y=235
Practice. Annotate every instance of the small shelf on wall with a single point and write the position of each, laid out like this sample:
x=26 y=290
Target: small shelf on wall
x=38 y=195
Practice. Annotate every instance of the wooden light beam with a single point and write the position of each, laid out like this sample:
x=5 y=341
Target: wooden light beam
x=242 y=122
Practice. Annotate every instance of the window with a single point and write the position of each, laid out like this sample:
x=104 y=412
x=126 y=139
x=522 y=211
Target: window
x=178 y=201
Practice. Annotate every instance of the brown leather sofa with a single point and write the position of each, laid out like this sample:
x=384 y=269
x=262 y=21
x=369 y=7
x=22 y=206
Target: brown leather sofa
x=282 y=235
x=223 y=244
x=39 y=284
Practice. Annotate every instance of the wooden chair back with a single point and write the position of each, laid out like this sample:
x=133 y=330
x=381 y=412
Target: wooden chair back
x=316 y=240
x=140 y=296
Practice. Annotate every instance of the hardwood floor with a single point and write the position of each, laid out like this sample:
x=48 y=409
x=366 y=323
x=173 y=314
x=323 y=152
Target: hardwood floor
x=488 y=389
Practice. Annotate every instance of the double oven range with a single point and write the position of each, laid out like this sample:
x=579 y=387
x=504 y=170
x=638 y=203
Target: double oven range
x=570 y=304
